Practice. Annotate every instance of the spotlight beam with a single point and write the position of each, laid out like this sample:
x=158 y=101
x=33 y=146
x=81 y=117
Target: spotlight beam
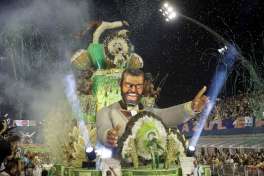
x=218 y=82
x=229 y=54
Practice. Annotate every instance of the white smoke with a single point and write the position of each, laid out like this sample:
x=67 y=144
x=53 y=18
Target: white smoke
x=36 y=42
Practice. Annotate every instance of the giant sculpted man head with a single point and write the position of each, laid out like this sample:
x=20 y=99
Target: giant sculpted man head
x=132 y=84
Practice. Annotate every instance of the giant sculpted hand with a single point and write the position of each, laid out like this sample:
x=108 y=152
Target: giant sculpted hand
x=200 y=100
x=112 y=136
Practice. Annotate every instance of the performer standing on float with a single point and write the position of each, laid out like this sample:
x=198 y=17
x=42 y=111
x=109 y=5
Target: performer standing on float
x=111 y=120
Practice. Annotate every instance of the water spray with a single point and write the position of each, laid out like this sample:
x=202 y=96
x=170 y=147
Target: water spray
x=70 y=90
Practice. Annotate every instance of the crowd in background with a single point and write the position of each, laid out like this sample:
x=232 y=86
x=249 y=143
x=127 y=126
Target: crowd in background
x=234 y=162
x=232 y=108
x=14 y=161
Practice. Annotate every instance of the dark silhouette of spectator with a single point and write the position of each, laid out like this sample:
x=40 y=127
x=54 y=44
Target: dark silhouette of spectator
x=44 y=173
x=5 y=150
x=11 y=168
x=13 y=141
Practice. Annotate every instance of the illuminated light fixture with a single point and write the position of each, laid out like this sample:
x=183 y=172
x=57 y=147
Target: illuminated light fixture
x=222 y=50
x=168 y=12
x=191 y=148
x=90 y=153
x=170 y=9
x=172 y=15
x=190 y=151
x=90 y=156
x=89 y=149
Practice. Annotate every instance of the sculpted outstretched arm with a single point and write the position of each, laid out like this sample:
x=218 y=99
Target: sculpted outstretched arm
x=104 y=26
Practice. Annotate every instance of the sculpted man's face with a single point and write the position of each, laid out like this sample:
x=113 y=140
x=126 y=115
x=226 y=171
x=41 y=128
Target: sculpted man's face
x=132 y=89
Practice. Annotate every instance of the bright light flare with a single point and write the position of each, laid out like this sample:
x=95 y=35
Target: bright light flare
x=89 y=149
x=168 y=12
x=170 y=9
x=103 y=152
x=191 y=148
x=172 y=15
x=222 y=50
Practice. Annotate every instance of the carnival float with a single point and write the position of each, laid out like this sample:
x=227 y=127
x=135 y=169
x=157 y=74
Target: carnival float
x=147 y=146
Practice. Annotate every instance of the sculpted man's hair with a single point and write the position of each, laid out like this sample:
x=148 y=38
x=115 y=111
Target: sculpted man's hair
x=131 y=71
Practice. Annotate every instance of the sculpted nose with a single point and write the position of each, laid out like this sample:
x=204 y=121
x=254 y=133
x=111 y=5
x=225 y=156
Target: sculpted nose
x=133 y=88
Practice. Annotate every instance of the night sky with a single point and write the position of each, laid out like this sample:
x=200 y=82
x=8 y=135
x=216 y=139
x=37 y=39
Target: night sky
x=180 y=48
x=183 y=49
